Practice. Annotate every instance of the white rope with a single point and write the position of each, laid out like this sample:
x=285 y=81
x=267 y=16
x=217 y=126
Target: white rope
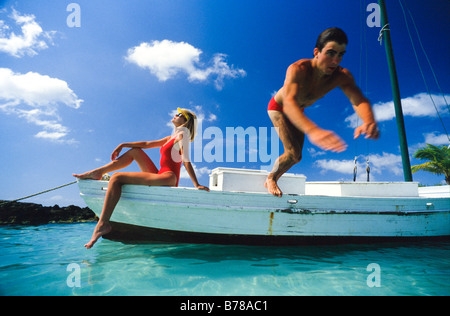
x=26 y=197
x=380 y=37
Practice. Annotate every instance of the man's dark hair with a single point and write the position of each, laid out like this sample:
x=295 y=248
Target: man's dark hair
x=332 y=34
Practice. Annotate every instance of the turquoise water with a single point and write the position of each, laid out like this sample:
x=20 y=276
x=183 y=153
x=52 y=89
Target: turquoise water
x=51 y=260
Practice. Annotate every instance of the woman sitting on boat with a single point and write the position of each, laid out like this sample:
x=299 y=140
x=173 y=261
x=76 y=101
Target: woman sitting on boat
x=174 y=150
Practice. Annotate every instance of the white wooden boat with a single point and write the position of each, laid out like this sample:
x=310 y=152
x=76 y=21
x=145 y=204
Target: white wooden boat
x=239 y=210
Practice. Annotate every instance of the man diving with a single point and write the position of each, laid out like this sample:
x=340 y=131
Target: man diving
x=308 y=80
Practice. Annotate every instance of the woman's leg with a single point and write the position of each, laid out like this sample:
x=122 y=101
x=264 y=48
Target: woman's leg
x=115 y=190
x=134 y=154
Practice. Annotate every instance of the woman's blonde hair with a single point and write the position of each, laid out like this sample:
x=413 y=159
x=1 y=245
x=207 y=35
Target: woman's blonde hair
x=191 y=122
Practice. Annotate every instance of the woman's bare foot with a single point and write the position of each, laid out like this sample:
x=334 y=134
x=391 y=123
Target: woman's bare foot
x=94 y=175
x=273 y=188
x=100 y=230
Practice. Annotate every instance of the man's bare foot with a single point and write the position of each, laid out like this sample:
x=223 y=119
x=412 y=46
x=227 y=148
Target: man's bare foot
x=94 y=175
x=100 y=230
x=273 y=188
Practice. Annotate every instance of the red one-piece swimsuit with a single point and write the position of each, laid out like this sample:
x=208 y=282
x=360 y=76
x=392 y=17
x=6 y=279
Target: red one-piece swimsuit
x=170 y=161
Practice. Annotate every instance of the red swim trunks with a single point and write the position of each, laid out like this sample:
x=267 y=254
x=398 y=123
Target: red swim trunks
x=274 y=106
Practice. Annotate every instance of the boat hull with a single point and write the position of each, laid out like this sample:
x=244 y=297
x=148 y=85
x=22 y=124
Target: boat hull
x=189 y=215
x=138 y=234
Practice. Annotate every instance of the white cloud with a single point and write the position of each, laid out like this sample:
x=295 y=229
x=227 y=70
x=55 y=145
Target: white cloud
x=435 y=139
x=314 y=153
x=199 y=172
x=36 y=98
x=201 y=115
x=340 y=166
x=32 y=39
x=212 y=118
x=419 y=105
x=165 y=59
x=389 y=163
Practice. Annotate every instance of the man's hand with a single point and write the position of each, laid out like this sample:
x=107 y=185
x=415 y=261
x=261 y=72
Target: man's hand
x=368 y=129
x=326 y=140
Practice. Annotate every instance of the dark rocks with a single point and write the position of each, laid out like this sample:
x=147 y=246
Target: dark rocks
x=16 y=213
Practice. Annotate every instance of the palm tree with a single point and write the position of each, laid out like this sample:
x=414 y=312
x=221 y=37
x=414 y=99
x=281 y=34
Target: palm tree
x=439 y=160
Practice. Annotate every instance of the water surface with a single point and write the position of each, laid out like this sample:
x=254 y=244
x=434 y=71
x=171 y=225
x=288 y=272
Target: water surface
x=50 y=259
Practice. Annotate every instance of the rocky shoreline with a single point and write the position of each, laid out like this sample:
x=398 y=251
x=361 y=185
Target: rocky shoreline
x=17 y=213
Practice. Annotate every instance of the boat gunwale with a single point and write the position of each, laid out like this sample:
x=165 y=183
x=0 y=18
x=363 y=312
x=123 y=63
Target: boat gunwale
x=127 y=187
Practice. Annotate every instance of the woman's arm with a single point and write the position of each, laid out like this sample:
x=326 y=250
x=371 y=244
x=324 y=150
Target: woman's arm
x=184 y=148
x=143 y=145
x=191 y=172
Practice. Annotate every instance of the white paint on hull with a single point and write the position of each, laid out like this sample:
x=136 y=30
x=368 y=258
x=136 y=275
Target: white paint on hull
x=219 y=212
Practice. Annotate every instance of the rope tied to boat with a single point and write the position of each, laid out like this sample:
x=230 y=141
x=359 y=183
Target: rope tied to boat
x=29 y=196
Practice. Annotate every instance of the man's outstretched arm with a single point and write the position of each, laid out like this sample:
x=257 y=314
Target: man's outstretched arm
x=362 y=107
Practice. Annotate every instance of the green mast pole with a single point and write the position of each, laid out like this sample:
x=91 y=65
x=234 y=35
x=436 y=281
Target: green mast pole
x=396 y=94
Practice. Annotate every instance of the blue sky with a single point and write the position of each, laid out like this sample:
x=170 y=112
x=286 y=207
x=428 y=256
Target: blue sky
x=69 y=95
